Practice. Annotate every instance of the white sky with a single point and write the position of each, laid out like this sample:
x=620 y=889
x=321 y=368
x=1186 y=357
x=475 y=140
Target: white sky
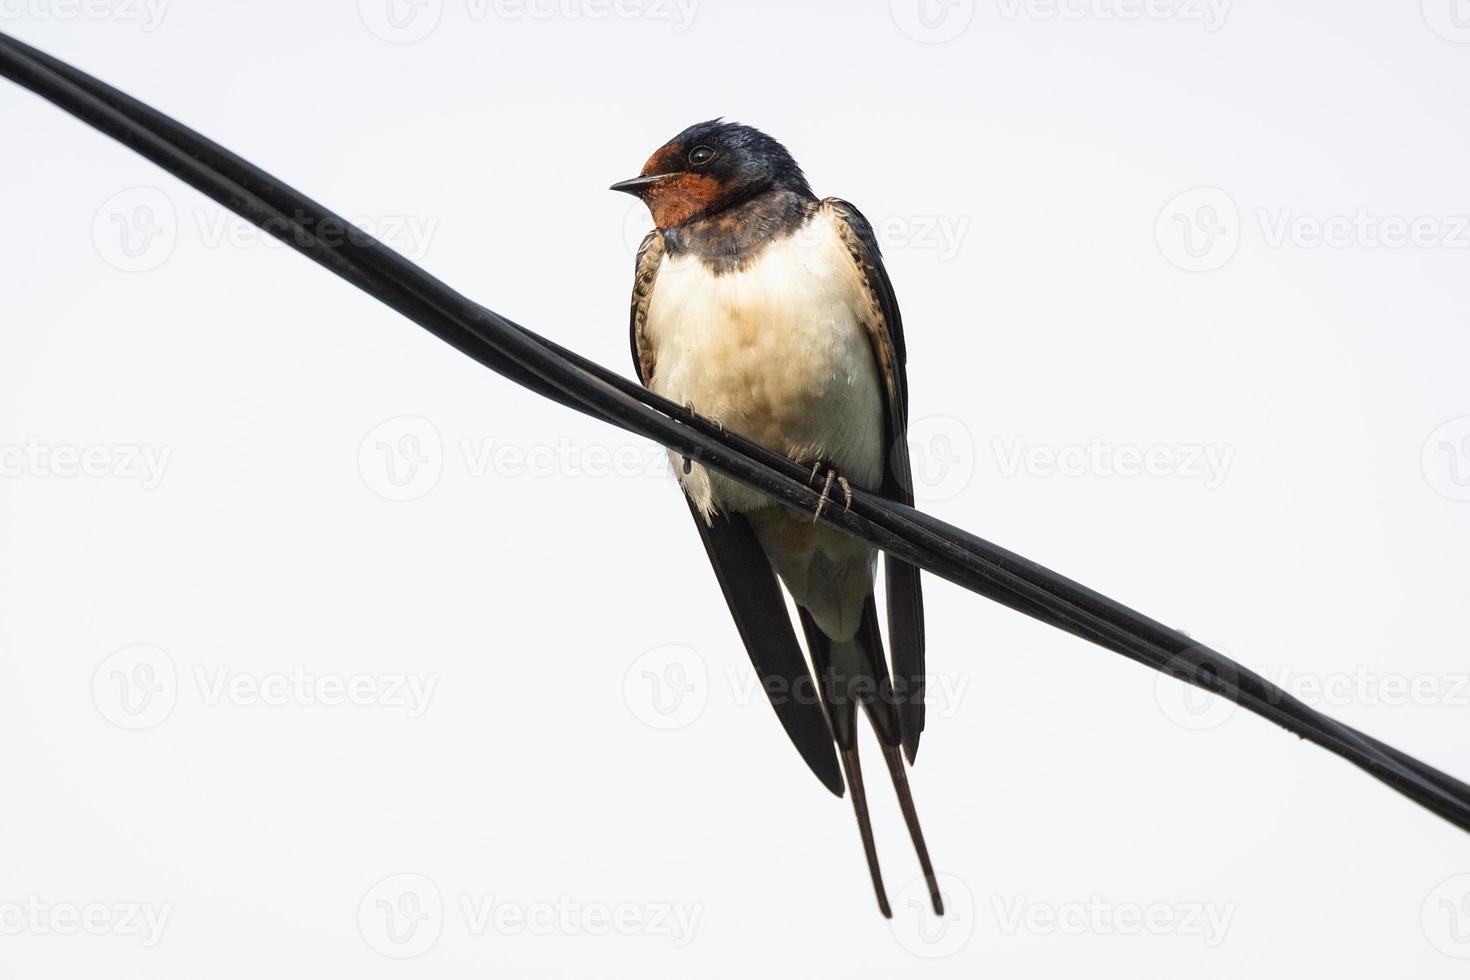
x=1301 y=511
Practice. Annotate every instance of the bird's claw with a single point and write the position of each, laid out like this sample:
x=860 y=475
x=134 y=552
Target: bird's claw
x=832 y=477
x=689 y=407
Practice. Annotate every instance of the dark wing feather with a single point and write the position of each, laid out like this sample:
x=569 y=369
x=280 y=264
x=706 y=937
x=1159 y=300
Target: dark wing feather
x=755 y=602
x=748 y=581
x=905 y=598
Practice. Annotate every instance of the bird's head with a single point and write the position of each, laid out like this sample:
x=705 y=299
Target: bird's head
x=709 y=167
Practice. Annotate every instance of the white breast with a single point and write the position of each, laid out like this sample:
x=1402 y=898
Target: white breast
x=776 y=352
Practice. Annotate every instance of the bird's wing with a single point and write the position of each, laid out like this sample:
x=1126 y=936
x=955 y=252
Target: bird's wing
x=748 y=581
x=755 y=602
x=650 y=257
x=905 y=598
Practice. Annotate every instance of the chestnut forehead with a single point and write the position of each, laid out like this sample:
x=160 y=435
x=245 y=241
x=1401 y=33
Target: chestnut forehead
x=665 y=158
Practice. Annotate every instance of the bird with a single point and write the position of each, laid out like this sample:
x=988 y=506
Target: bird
x=768 y=310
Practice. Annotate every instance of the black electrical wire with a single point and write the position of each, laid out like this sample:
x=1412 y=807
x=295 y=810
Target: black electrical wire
x=567 y=378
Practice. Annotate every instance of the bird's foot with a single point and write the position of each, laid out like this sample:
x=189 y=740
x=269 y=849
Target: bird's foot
x=689 y=407
x=832 y=476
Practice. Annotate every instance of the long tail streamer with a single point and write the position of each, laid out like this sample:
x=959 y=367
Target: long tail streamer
x=561 y=375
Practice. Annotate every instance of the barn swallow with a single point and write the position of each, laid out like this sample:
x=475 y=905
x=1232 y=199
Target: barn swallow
x=768 y=310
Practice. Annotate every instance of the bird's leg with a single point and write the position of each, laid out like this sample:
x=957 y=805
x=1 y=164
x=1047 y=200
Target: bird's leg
x=832 y=477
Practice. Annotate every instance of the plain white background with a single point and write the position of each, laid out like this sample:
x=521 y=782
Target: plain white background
x=324 y=650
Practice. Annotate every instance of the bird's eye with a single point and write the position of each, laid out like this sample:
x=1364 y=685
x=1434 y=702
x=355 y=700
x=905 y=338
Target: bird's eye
x=701 y=155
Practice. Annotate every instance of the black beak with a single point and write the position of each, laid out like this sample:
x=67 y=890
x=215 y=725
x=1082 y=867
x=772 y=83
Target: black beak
x=637 y=185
